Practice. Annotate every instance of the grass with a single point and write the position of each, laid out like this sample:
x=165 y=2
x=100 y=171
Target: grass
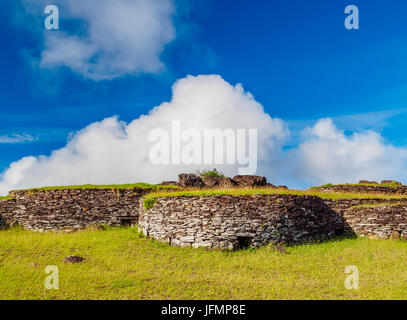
x=122 y=264
x=5 y=198
x=149 y=203
x=392 y=185
x=140 y=185
x=378 y=205
x=266 y=191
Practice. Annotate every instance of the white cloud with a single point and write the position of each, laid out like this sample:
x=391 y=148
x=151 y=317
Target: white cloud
x=17 y=138
x=328 y=155
x=111 y=151
x=120 y=37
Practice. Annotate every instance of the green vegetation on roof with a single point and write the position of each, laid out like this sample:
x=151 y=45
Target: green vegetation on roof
x=210 y=173
x=140 y=185
x=375 y=205
x=268 y=191
x=393 y=185
x=5 y=198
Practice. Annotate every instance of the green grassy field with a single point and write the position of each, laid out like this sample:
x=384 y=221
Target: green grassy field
x=122 y=264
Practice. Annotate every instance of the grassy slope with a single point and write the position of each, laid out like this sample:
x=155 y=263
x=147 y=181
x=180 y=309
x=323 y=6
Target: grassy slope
x=250 y=191
x=122 y=265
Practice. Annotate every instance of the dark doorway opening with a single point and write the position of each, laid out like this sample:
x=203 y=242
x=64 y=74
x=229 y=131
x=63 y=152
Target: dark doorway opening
x=339 y=232
x=126 y=222
x=244 y=242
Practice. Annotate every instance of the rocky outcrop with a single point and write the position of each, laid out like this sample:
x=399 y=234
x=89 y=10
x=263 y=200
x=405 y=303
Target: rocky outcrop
x=250 y=181
x=227 y=183
x=190 y=180
x=213 y=182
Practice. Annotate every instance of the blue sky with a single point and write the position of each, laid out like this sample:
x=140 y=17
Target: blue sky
x=295 y=57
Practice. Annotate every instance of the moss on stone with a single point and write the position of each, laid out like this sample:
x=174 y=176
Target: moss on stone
x=268 y=191
x=5 y=198
x=149 y=203
x=375 y=205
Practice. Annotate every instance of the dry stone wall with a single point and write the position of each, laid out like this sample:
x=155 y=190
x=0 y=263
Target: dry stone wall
x=7 y=209
x=380 y=222
x=230 y=222
x=346 y=209
x=71 y=209
x=221 y=221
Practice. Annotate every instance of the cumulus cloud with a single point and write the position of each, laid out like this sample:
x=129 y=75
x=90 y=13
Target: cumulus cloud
x=116 y=37
x=112 y=151
x=326 y=154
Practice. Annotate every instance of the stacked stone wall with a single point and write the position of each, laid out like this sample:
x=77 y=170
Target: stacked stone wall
x=230 y=222
x=71 y=209
x=221 y=221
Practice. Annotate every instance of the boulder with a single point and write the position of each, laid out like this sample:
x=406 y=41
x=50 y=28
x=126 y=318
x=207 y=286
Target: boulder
x=188 y=180
x=227 y=183
x=279 y=249
x=250 y=181
x=73 y=259
x=210 y=182
x=395 y=235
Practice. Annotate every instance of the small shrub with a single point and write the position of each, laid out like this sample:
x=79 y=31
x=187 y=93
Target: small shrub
x=210 y=173
x=149 y=203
